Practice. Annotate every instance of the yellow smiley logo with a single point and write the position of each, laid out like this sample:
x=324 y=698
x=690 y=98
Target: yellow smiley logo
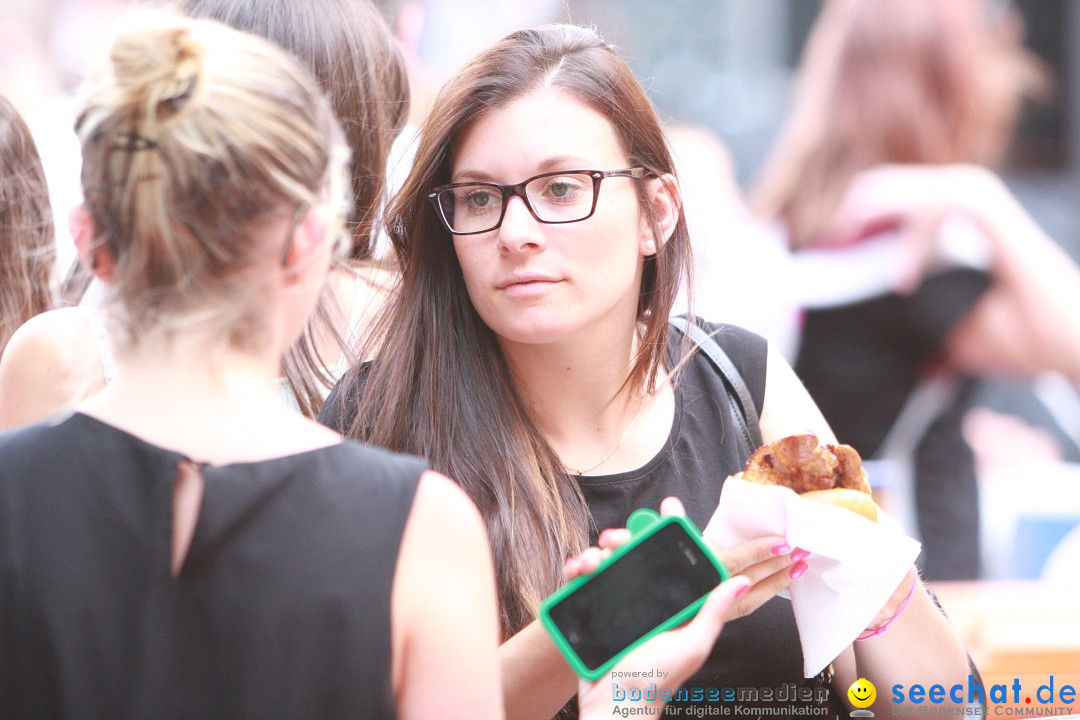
x=862 y=693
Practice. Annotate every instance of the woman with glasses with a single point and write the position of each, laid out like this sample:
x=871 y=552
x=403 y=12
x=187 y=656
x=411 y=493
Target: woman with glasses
x=182 y=544
x=529 y=356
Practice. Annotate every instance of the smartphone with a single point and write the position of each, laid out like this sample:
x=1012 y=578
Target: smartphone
x=657 y=580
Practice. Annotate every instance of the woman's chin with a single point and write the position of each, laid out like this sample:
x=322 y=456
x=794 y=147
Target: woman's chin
x=536 y=330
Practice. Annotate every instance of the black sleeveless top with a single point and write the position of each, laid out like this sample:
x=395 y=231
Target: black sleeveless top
x=281 y=609
x=703 y=446
x=757 y=662
x=759 y=656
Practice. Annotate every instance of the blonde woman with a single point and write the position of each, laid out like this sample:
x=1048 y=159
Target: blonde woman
x=182 y=544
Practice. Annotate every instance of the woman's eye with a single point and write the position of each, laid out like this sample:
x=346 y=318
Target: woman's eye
x=480 y=199
x=564 y=188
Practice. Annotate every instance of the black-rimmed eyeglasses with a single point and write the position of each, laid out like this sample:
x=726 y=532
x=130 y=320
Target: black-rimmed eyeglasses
x=565 y=196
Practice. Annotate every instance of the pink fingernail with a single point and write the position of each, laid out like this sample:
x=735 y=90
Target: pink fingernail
x=797 y=570
x=799 y=555
x=742 y=591
x=781 y=549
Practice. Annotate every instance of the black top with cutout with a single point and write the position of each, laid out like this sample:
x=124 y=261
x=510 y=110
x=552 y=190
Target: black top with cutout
x=280 y=610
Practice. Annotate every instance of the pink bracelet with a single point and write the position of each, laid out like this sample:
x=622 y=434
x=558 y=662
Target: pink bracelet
x=880 y=629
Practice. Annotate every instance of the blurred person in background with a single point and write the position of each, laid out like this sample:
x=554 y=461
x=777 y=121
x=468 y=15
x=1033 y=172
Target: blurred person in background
x=918 y=269
x=27 y=231
x=65 y=355
x=44 y=46
x=735 y=257
x=352 y=52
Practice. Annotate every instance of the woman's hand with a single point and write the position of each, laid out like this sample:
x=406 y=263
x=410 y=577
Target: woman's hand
x=679 y=652
x=768 y=563
x=760 y=569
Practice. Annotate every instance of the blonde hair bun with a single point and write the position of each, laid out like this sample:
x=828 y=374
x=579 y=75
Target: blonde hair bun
x=158 y=61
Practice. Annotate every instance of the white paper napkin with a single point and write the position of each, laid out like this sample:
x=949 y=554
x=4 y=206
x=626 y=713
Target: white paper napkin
x=854 y=564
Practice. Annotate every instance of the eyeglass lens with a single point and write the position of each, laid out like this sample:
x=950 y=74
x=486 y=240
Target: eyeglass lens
x=555 y=198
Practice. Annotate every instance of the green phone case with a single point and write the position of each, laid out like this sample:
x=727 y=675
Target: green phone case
x=642 y=524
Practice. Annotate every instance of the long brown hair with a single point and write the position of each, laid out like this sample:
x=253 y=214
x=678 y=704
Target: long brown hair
x=892 y=81
x=440 y=386
x=347 y=45
x=27 y=229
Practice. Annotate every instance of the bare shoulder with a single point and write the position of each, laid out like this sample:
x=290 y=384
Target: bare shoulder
x=49 y=364
x=55 y=331
x=444 y=609
x=448 y=509
x=444 y=543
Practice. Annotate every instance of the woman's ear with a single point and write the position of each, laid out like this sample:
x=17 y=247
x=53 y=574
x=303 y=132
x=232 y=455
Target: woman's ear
x=309 y=234
x=666 y=205
x=93 y=257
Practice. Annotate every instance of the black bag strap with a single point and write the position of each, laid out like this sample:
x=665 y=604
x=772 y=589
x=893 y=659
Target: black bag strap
x=742 y=404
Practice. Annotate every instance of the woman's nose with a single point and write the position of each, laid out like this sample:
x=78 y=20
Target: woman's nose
x=519 y=229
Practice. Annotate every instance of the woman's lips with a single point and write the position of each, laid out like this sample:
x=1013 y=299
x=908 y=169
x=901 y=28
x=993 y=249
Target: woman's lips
x=523 y=284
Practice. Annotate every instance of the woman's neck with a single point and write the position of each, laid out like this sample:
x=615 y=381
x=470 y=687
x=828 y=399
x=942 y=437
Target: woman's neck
x=573 y=382
x=213 y=403
x=580 y=400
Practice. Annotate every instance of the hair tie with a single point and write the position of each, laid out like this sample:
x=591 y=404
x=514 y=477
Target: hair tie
x=181 y=89
x=132 y=141
x=880 y=629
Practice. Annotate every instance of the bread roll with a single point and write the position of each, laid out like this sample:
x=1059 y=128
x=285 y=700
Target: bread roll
x=831 y=474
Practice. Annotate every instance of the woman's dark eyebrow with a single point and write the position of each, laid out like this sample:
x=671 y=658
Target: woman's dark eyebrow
x=565 y=162
x=558 y=162
x=471 y=176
